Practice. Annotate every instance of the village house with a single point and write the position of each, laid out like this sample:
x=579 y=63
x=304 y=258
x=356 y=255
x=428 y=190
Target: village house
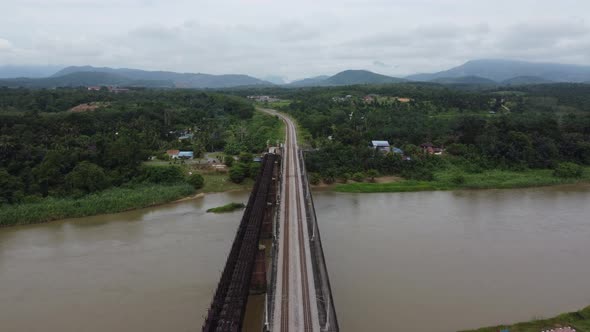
x=173 y=154
x=382 y=146
x=187 y=136
x=431 y=149
x=370 y=98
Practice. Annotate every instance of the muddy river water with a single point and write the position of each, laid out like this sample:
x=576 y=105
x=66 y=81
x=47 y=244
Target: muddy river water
x=429 y=261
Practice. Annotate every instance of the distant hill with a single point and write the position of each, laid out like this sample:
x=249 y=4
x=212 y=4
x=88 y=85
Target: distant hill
x=476 y=80
x=179 y=80
x=526 y=80
x=10 y=71
x=77 y=79
x=312 y=81
x=347 y=77
x=502 y=70
x=352 y=77
x=274 y=79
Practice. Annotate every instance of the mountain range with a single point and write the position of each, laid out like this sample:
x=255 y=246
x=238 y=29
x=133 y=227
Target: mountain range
x=475 y=72
x=506 y=70
x=90 y=76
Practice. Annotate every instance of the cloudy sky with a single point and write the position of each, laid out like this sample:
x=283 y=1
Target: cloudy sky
x=291 y=38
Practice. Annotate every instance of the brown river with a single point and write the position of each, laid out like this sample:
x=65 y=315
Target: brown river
x=430 y=261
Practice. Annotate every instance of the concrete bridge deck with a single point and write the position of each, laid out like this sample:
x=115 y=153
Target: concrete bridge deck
x=302 y=299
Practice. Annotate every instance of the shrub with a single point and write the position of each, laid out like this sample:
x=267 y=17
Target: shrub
x=358 y=177
x=196 y=180
x=458 y=179
x=314 y=178
x=228 y=161
x=372 y=174
x=246 y=157
x=568 y=170
x=168 y=174
x=163 y=157
x=422 y=174
x=329 y=179
x=344 y=177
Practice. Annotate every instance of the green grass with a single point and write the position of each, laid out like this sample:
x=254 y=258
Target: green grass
x=227 y=208
x=109 y=201
x=494 y=179
x=579 y=320
x=220 y=182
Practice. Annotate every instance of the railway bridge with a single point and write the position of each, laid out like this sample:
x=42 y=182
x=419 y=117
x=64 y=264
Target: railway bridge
x=294 y=279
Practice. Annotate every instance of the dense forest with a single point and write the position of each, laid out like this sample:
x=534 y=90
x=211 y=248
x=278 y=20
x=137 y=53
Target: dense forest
x=71 y=142
x=512 y=128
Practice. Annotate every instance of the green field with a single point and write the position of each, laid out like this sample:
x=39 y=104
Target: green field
x=109 y=201
x=219 y=182
x=444 y=180
x=579 y=320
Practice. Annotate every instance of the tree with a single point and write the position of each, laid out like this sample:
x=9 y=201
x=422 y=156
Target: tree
x=87 y=177
x=237 y=174
x=228 y=161
x=253 y=170
x=196 y=180
x=10 y=188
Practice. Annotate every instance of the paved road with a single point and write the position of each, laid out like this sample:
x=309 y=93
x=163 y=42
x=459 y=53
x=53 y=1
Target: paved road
x=295 y=297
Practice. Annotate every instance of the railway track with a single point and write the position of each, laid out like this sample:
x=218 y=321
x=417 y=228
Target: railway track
x=293 y=191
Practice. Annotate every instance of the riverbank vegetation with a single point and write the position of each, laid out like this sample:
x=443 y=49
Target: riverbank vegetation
x=445 y=138
x=456 y=179
x=227 y=208
x=112 y=200
x=54 y=154
x=578 y=320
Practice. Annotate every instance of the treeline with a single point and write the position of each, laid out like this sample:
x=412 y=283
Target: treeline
x=46 y=150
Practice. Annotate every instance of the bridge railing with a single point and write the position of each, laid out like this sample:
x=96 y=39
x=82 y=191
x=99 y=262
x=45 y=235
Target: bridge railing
x=272 y=282
x=326 y=310
x=229 y=302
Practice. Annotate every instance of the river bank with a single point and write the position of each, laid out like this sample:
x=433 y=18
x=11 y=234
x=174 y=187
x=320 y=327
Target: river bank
x=451 y=180
x=113 y=200
x=578 y=320
x=109 y=201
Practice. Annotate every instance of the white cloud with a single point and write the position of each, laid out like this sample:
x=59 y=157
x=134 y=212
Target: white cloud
x=5 y=45
x=291 y=38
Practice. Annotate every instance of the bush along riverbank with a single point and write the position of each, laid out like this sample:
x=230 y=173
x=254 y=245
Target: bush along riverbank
x=109 y=201
x=227 y=208
x=578 y=320
x=453 y=179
